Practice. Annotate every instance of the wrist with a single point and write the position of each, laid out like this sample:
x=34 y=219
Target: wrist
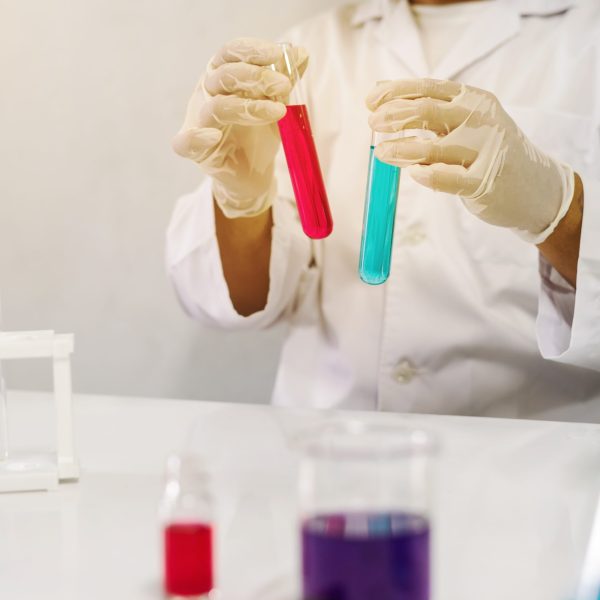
x=243 y=232
x=561 y=247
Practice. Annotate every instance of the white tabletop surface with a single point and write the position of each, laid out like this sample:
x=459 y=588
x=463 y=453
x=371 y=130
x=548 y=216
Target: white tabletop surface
x=515 y=501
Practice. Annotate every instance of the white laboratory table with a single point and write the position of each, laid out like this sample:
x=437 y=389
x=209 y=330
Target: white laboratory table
x=515 y=501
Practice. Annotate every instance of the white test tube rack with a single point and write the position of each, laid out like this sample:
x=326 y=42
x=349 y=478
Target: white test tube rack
x=43 y=472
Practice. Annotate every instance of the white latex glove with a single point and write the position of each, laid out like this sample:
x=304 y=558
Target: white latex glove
x=230 y=128
x=479 y=154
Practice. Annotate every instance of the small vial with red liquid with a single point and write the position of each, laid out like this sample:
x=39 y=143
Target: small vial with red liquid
x=187 y=529
x=301 y=156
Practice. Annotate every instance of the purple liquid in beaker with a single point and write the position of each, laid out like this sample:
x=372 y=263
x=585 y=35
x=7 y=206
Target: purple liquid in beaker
x=361 y=556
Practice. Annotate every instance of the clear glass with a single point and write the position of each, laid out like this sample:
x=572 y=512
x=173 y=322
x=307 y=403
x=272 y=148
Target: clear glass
x=186 y=515
x=3 y=417
x=379 y=217
x=365 y=501
x=3 y=405
x=301 y=156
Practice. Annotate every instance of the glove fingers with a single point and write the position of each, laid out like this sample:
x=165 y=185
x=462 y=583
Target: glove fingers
x=408 y=151
x=197 y=144
x=220 y=111
x=424 y=113
x=384 y=91
x=258 y=52
x=249 y=50
x=247 y=80
x=451 y=179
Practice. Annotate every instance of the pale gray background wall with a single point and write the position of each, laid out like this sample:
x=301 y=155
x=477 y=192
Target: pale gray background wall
x=91 y=93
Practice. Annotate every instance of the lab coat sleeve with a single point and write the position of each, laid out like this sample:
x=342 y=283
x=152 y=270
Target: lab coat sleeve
x=194 y=263
x=568 y=323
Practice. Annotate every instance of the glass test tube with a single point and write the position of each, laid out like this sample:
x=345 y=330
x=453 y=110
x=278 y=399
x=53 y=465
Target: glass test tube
x=365 y=501
x=379 y=217
x=302 y=160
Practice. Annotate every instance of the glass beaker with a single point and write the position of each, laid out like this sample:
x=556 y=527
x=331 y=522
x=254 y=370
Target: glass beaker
x=365 y=502
x=301 y=156
x=379 y=216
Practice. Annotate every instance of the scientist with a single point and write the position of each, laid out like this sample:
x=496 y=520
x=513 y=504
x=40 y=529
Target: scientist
x=493 y=303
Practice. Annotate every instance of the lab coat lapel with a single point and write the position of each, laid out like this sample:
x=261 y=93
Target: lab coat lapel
x=491 y=29
x=399 y=32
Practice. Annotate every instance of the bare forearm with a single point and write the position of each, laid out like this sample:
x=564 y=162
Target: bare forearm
x=245 y=249
x=561 y=249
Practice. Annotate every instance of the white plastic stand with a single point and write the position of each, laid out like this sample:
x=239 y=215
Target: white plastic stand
x=43 y=472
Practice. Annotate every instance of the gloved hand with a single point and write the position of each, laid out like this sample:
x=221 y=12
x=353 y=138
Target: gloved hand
x=479 y=154
x=230 y=129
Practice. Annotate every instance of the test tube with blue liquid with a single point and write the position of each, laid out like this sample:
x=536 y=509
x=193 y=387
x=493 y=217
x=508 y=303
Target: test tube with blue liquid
x=379 y=217
x=365 y=501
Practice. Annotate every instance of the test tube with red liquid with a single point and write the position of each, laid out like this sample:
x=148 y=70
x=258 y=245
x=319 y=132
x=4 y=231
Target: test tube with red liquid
x=301 y=155
x=186 y=519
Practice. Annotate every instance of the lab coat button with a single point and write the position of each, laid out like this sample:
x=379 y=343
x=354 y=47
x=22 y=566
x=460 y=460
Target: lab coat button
x=404 y=371
x=413 y=235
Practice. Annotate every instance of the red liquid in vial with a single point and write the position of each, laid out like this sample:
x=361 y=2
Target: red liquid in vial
x=305 y=172
x=188 y=559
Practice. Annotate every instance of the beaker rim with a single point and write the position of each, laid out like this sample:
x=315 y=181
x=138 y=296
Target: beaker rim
x=355 y=439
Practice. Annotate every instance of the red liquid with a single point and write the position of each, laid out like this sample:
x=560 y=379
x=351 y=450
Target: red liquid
x=188 y=559
x=305 y=172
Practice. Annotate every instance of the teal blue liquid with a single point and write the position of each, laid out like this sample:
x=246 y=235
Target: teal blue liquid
x=378 y=221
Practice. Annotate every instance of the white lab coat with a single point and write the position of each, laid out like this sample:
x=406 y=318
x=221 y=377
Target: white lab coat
x=454 y=328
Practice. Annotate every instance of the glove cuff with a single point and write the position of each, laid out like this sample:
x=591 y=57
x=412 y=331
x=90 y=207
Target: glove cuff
x=235 y=208
x=568 y=187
